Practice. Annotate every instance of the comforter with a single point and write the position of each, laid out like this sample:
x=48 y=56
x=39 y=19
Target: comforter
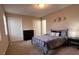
x=47 y=42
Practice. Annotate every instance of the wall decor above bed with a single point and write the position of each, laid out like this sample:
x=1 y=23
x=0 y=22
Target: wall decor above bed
x=54 y=20
x=60 y=19
x=64 y=18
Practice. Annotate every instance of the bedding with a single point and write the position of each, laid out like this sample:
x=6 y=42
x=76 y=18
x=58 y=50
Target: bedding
x=47 y=42
x=52 y=40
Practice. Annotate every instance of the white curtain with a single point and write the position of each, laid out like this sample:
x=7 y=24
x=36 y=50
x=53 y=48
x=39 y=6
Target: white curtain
x=15 y=28
x=43 y=26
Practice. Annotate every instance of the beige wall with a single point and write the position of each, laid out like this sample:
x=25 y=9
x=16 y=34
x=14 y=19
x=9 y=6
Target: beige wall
x=72 y=20
x=3 y=37
x=27 y=22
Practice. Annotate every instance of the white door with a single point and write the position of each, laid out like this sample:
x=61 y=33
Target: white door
x=15 y=28
x=37 y=27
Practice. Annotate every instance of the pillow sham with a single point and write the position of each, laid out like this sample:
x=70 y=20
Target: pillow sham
x=57 y=34
x=53 y=34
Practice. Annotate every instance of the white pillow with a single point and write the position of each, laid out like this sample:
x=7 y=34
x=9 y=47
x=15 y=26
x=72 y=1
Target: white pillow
x=53 y=34
x=57 y=34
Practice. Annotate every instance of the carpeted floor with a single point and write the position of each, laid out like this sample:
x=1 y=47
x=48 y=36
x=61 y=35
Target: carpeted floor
x=26 y=48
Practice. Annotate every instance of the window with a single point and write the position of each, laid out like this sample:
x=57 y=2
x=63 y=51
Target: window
x=5 y=24
x=43 y=26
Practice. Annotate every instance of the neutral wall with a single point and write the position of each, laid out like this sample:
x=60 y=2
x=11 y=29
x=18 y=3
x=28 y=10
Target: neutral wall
x=27 y=22
x=3 y=37
x=72 y=20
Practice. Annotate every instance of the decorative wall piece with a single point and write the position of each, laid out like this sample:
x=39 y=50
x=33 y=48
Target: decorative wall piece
x=60 y=19
x=54 y=20
x=64 y=18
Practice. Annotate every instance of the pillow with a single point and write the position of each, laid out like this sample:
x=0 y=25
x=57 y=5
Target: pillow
x=52 y=34
x=57 y=34
x=64 y=34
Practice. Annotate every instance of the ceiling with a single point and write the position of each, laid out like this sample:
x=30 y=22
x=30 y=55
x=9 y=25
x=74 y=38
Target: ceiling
x=31 y=10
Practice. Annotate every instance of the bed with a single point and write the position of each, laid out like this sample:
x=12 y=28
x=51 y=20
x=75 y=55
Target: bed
x=48 y=42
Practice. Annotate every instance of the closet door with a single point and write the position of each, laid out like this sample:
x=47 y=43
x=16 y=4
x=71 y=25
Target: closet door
x=37 y=27
x=15 y=28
